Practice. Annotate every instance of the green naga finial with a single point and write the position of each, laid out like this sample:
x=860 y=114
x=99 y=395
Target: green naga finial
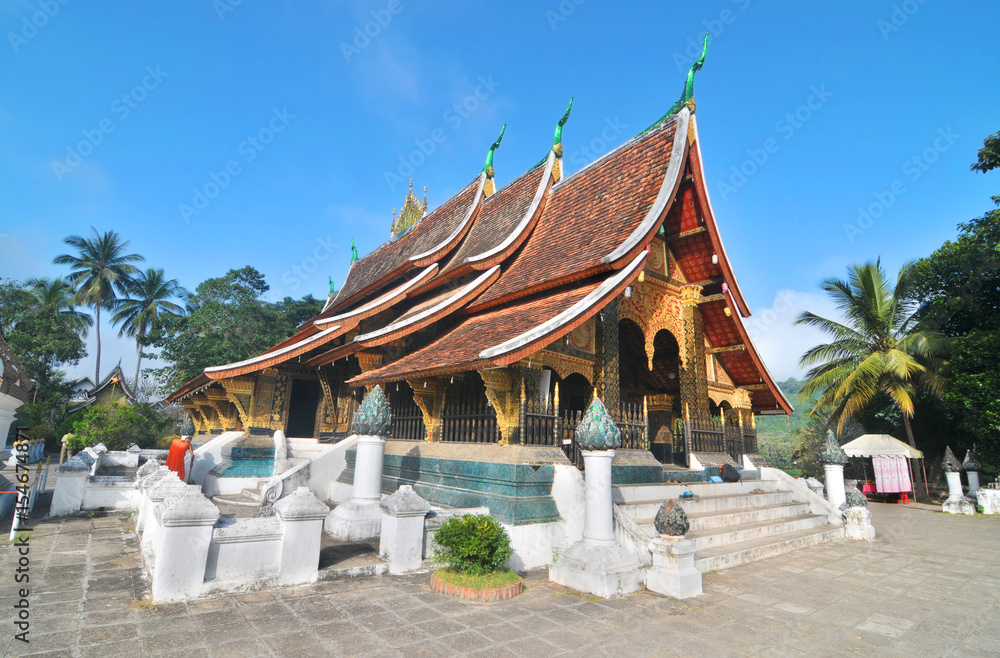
x=687 y=98
x=557 y=140
x=333 y=288
x=488 y=167
x=354 y=253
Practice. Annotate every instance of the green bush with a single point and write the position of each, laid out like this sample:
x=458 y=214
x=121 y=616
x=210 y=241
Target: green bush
x=117 y=426
x=473 y=544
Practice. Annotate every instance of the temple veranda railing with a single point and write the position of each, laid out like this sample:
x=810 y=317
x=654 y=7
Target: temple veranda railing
x=713 y=434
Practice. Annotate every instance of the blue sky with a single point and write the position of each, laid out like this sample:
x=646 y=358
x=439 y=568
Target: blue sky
x=300 y=126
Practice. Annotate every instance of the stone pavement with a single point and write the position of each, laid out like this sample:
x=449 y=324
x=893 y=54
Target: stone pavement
x=928 y=587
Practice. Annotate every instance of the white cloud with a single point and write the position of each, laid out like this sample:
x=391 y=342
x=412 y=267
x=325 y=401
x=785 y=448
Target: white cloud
x=779 y=342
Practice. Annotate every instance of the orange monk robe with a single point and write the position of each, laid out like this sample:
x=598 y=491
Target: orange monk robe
x=175 y=458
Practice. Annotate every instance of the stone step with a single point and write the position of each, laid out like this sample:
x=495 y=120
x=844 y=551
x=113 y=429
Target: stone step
x=235 y=499
x=738 y=534
x=729 y=519
x=713 y=504
x=733 y=555
x=648 y=493
x=252 y=494
x=709 y=521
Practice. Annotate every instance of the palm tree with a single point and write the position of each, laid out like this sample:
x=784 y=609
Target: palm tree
x=147 y=299
x=100 y=269
x=881 y=348
x=57 y=299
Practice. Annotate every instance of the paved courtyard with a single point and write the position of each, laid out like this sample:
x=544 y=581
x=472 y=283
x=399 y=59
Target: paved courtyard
x=928 y=587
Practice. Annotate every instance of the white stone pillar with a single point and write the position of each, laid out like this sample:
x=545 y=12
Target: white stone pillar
x=402 y=537
x=182 y=546
x=956 y=503
x=973 y=483
x=301 y=516
x=597 y=564
x=360 y=517
x=68 y=494
x=598 y=522
x=835 y=491
x=132 y=456
x=673 y=572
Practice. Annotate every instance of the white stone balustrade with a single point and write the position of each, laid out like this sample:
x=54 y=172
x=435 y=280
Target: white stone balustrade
x=301 y=516
x=185 y=533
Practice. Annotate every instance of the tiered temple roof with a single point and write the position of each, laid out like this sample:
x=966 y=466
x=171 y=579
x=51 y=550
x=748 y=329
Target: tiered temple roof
x=498 y=275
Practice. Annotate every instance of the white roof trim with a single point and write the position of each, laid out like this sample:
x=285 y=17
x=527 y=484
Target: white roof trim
x=535 y=202
x=381 y=300
x=465 y=291
x=711 y=211
x=271 y=355
x=568 y=315
x=461 y=226
x=666 y=190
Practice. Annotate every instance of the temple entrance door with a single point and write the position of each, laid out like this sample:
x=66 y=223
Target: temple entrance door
x=302 y=407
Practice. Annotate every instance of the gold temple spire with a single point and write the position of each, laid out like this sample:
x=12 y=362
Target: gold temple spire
x=411 y=213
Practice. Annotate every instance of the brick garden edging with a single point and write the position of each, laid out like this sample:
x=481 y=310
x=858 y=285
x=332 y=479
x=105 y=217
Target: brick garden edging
x=470 y=594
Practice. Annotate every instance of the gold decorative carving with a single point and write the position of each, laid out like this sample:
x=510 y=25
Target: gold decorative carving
x=741 y=399
x=504 y=394
x=690 y=295
x=583 y=337
x=661 y=402
x=564 y=365
x=657 y=259
x=429 y=397
x=654 y=309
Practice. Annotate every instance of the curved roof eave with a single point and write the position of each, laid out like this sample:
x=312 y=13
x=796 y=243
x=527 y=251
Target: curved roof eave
x=668 y=190
x=384 y=302
x=428 y=316
x=701 y=189
x=755 y=357
x=270 y=359
x=441 y=249
x=520 y=232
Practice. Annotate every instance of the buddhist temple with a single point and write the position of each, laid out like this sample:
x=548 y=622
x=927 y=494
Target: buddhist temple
x=492 y=320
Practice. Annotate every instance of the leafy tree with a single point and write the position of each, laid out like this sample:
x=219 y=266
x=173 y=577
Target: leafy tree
x=227 y=320
x=811 y=439
x=118 y=425
x=41 y=341
x=961 y=285
x=297 y=311
x=883 y=349
x=989 y=155
x=100 y=269
x=56 y=300
x=147 y=301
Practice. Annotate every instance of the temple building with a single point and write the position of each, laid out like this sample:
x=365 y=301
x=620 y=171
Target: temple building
x=114 y=389
x=492 y=320
x=15 y=388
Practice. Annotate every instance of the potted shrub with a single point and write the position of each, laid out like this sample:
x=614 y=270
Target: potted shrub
x=472 y=551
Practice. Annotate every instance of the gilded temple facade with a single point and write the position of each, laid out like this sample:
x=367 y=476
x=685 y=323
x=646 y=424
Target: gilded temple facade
x=495 y=318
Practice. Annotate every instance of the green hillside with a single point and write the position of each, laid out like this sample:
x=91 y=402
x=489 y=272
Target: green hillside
x=776 y=434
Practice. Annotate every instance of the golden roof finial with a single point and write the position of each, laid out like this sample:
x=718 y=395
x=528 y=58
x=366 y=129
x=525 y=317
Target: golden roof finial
x=411 y=212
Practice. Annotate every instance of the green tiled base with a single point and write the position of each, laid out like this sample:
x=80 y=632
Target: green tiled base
x=516 y=493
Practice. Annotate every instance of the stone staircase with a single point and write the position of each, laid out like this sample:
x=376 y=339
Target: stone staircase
x=299 y=451
x=730 y=525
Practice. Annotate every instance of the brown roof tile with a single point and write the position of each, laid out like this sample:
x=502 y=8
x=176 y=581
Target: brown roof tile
x=615 y=192
x=373 y=271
